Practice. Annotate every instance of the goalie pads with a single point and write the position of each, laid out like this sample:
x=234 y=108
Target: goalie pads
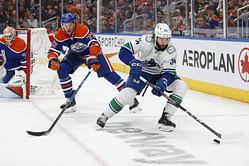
x=16 y=86
x=19 y=79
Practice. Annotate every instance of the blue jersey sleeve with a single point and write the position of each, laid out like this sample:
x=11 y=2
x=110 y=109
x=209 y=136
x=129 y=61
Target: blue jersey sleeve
x=125 y=55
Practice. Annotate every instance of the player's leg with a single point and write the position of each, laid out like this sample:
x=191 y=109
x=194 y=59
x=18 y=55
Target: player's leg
x=67 y=85
x=106 y=70
x=179 y=89
x=125 y=97
x=8 y=76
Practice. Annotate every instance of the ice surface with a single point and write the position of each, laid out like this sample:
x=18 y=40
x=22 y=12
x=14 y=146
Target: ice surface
x=128 y=139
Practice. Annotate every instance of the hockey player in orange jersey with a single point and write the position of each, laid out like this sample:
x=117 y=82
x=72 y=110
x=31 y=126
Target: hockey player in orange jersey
x=83 y=49
x=12 y=64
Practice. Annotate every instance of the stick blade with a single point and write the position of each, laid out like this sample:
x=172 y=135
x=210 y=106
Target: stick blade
x=37 y=133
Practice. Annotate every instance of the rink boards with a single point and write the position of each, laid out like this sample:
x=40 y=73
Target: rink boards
x=218 y=67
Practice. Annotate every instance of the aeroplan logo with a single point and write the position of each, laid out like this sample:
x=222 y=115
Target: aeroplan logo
x=243 y=64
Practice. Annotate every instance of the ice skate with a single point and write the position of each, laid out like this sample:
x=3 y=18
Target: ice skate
x=70 y=106
x=101 y=121
x=165 y=124
x=134 y=108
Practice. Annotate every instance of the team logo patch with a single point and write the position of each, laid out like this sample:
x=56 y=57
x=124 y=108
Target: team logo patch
x=78 y=47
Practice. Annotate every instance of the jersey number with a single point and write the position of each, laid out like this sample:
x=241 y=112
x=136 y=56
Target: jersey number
x=138 y=40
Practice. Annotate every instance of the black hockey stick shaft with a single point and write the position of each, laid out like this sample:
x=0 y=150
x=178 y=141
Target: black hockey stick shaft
x=41 y=133
x=145 y=90
x=185 y=110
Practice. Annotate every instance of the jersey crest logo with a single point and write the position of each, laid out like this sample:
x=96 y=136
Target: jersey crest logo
x=78 y=47
x=151 y=63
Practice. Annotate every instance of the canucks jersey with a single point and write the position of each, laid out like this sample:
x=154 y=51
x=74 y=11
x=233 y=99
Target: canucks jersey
x=153 y=61
x=15 y=54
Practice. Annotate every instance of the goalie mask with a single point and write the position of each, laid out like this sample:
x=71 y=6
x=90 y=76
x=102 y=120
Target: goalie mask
x=162 y=35
x=9 y=34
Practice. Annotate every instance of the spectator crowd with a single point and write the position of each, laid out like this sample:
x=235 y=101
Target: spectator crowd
x=124 y=16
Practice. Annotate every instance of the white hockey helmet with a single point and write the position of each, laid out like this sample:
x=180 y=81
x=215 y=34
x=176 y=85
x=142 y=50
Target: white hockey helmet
x=9 y=34
x=162 y=30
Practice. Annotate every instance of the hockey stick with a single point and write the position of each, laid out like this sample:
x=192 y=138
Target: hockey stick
x=145 y=90
x=216 y=133
x=41 y=133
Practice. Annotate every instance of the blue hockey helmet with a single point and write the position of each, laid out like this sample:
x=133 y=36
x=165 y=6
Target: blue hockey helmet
x=67 y=18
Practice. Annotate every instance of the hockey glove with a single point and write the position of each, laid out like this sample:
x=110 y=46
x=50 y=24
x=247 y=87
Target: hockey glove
x=1 y=60
x=160 y=87
x=92 y=62
x=135 y=68
x=54 y=64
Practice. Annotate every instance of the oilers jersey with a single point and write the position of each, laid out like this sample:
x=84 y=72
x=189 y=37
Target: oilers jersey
x=80 y=35
x=14 y=55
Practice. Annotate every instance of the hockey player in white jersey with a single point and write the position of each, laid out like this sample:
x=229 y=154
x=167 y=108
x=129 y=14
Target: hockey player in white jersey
x=153 y=57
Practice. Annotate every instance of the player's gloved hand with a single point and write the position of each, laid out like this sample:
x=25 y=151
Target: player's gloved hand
x=54 y=63
x=135 y=68
x=1 y=60
x=160 y=87
x=92 y=62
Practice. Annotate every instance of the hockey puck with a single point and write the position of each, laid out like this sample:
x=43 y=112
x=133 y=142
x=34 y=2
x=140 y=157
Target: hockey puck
x=216 y=141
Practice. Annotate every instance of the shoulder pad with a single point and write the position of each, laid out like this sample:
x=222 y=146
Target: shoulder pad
x=18 y=45
x=2 y=40
x=171 y=49
x=149 y=38
x=60 y=35
x=81 y=30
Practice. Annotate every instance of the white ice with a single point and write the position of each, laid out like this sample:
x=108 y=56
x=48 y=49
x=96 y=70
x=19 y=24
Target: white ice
x=128 y=139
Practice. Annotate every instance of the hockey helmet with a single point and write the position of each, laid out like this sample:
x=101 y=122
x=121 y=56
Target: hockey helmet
x=9 y=34
x=162 y=34
x=67 y=23
x=67 y=18
x=162 y=30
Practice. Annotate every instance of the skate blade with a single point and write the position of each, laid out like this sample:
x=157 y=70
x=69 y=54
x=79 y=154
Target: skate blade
x=165 y=128
x=98 y=127
x=135 y=110
x=70 y=110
